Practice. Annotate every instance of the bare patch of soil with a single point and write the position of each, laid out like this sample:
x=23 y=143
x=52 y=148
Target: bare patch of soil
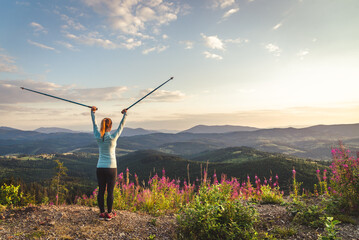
x=80 y=222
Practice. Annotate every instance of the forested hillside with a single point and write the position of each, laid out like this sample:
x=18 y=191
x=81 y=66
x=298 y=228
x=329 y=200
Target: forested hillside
x=233 y=162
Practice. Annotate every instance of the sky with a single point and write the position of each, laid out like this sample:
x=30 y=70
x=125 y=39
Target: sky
x=259 y=63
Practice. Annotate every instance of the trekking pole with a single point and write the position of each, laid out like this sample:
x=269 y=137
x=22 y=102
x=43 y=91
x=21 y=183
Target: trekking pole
x=63 y=99
x=149 y=93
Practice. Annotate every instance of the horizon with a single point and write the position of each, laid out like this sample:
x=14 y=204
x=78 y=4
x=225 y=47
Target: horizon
x=264 y=64
x=178 y=131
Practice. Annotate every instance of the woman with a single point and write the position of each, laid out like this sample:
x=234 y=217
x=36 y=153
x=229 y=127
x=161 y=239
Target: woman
x=106 y=166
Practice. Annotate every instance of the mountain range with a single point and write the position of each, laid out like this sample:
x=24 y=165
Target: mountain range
x=218 y=129
x=312 y=142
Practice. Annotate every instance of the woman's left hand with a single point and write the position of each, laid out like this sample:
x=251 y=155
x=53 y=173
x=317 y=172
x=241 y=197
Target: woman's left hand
x=124 y=111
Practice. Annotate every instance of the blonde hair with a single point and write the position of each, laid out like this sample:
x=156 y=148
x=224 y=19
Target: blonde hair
x=105 y=124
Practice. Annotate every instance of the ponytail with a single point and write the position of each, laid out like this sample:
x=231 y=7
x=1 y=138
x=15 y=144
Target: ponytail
x=106 y=124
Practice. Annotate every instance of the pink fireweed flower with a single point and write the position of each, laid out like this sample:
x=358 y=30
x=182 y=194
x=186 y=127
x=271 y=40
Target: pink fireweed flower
x=318 y=175
x=293 y=171
x=215 y=180
x=120 y=177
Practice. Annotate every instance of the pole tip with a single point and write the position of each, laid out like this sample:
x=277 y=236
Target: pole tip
x=171 y=78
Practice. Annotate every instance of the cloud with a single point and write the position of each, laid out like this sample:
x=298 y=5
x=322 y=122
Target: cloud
x=131 y=43
x=67 y=45
x=40 y=45
x=165 y=36
x=213 y=42
x=135 y=17
x=274 y=49
x=230 y=12
x=38 y=27
x=223 y=3
x=188 y=44
x=212 y=55
x=236 y=41
x=302 y=53
x=22 y=3
x=158 y=49
x=71 y=23
x=163 y=95
x=93 y=39
x=277 y=26
x=10 y=92
x=7 y=63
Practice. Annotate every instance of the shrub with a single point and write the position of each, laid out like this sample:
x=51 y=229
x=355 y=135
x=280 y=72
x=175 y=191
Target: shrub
x=344 y=182
x=283 y=232
x=330 y=232
x=308 y=214
x=214 y=215
x=10 y=195
x=271 y=195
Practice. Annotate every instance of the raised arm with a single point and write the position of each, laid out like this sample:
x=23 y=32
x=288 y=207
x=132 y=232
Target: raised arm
x=120 y=127
x=95 y=128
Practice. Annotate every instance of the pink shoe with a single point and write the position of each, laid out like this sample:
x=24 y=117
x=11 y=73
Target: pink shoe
x=109 y=216
x=102 y=216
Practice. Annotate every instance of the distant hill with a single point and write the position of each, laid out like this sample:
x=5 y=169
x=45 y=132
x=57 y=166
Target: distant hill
x=312 y=142
x=128 y=132
x=235 y=155
x=187 y=148
x=218 y=129
x=53 y=130
x=7 y=128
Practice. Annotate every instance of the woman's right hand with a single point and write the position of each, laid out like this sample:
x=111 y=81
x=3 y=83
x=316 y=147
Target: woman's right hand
x=93 y=109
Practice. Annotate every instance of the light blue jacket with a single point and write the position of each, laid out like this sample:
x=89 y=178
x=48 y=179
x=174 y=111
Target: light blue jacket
x=107 y=146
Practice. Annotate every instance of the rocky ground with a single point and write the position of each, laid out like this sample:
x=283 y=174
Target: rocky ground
x=79 y=222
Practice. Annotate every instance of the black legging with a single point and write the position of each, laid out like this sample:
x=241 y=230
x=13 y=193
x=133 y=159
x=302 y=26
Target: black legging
x=106 y=176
